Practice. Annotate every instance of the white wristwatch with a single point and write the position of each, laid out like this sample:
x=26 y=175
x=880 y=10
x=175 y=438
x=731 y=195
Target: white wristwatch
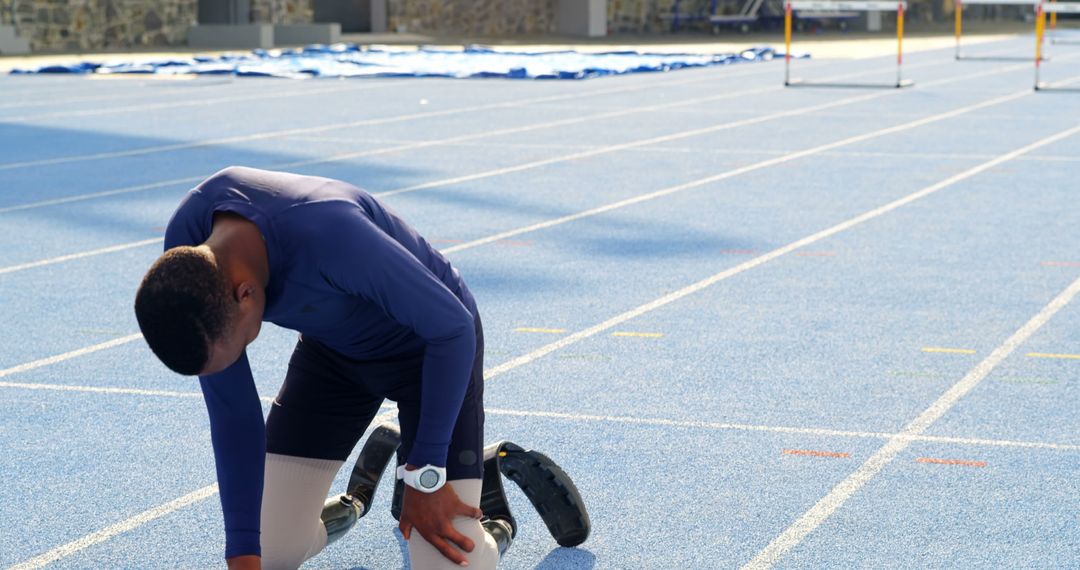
x=426 y=479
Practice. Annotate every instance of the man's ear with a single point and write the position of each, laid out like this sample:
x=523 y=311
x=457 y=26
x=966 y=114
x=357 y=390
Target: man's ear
x=244 y=291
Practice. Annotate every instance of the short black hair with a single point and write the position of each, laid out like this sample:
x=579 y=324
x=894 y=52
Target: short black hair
x=183 y=305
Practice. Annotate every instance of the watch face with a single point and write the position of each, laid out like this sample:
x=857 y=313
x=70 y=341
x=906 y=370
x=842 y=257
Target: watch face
x=428 y=479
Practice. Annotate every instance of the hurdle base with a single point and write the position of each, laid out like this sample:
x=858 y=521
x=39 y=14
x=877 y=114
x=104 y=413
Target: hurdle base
x=803 y=83
x=962 y=57
x=1044 y=87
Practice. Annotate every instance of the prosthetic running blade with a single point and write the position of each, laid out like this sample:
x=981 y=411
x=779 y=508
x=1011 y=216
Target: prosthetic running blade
x=492 y=494
x=546 y=485
x=550 y=490
x=380 y=447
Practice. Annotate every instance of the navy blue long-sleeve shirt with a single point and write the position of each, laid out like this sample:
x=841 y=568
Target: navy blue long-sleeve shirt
x=347 y=272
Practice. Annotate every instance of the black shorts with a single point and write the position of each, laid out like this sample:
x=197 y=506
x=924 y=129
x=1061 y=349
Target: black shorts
x=328 y=400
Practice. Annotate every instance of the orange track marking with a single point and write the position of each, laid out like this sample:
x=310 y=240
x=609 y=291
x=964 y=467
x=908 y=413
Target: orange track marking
x=1060 y=264
x=815 y=453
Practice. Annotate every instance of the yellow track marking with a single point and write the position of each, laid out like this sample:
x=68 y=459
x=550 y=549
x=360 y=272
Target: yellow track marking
x=1045 y=355
x=538 y=330
x=948 y=350
x=963 y=462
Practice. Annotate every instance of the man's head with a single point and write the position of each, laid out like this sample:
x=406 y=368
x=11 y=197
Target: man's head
x=195 y=316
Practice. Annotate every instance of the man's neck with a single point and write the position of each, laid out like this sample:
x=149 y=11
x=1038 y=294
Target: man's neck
x=239 y=247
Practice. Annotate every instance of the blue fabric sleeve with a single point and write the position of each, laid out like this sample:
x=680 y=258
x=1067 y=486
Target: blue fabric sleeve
x=237 y=428
x=360 y=259
x=238 y=432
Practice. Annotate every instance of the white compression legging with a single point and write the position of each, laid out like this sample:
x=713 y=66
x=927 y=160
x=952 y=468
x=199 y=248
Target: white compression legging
x=293 y=496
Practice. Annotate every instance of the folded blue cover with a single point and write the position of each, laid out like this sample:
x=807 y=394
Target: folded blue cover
x=350 y=60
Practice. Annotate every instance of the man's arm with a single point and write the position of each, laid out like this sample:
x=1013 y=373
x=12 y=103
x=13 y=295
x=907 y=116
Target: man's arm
x=238 y=432
x=360 y=259
x=237 y=428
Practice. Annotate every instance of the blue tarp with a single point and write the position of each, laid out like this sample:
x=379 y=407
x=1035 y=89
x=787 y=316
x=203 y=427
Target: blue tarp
x=350 y=60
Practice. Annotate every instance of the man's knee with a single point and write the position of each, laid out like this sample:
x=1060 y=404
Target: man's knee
x=485 y=553
x=281 y=557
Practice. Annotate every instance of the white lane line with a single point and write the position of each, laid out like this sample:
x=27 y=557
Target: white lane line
x=68 y=355
x=535 y=164
x=413 y=146
x=127 y=94
x=37 y=86
x=916 y=427
x=333 y=158
x=189 y=100
x=103 y=194
x=762 y=259
x=122 y=92
x=987 y=442
x=713 y=150
x=359 y=123
x=843 y=491
x=375 y=152
x=309 y=86
x=672 y=137
x=100 y=390
x=114 y=390
x=721 y=426
x=624 y=146
x=80 y=255
x=108 y=390
x=358 y=154
x=700 y=285
x=109 y=532
x=732 y=173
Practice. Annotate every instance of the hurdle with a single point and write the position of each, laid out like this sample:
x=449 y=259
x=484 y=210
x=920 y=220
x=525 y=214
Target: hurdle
x=960 y=24
x=1052 y=8
x=1051 y=31
x=823 y=8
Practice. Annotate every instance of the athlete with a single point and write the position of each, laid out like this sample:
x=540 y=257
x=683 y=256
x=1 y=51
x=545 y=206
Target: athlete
x=382 y=315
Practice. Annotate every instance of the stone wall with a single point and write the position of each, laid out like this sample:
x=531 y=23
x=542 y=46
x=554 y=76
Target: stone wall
x=100 y=24
x=654 y=16
x=472 y=17
x=72 y=25
x=504 y=17
x=645 y=16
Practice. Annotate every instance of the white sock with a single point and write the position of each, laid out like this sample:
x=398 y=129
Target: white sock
x=294 y=491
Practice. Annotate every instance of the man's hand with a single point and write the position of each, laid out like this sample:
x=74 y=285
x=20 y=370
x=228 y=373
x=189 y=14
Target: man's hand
x=431 y=514
x=250 y=562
